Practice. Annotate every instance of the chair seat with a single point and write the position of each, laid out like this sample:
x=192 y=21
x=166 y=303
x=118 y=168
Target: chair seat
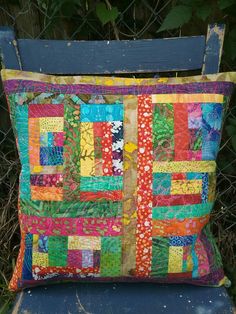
x=148 y=298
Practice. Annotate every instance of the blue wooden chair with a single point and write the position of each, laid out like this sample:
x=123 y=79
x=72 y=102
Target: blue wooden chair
x=109 y=57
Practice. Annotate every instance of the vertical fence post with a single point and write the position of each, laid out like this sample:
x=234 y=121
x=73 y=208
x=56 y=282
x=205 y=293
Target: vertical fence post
x=213 y=51
x=10 y=57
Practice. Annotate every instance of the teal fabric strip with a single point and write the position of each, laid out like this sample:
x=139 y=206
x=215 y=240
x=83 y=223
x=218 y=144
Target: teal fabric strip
x=195 y=258
x=184 y=267
x=194 y=175
x=161 y=183
x=50 y=139
x=21 y=119
x=181 y=211
x=101 y=112
x=106 y=183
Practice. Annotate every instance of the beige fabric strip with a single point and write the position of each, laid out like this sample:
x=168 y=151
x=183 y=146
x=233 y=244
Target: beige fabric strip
x=130 y=185
x=114 y=81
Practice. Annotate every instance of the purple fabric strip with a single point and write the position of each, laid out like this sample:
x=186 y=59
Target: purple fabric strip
x=208 y=280
x=20 y=86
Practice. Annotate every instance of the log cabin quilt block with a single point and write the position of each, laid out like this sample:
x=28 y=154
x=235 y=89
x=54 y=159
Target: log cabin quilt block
x=118 y=177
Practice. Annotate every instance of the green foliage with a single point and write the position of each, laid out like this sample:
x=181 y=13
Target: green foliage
x=70 y=8
x=204 y=11
x=190 y=13
x=231 y=131
x=6 y=305
x=223 y=4
x=66 y=8
x=230 y=44
x=106 y=15
x=177 y=17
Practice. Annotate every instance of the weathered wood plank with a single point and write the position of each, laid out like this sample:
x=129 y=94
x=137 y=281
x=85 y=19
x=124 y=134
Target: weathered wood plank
x=214 y=46
x=119 y=298
x=104 y=57
x=8 y=48
x=89 y=57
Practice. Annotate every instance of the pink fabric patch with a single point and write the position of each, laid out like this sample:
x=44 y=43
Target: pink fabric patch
x=72 y=226
x=194 y=155
x=74 y=258
x=58 y=138
x=203 y=263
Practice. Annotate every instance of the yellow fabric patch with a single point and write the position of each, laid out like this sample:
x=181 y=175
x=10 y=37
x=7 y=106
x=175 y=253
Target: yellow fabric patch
x=189 y=263
x=35 y=242
x=184 y=166
x=36 y=169
x=130 y=147
x=46 y=169
x=84 y=243
x=8 y=74
x=186 y=187
x=40 y=259
x=187 y=98
x=87 y=159
x=51 y=124
x=175 y=259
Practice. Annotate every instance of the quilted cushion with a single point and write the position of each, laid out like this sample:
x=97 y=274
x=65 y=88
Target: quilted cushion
x=118 y=177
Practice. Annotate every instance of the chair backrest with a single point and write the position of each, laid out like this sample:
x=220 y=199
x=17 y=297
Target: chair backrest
x=109 y=57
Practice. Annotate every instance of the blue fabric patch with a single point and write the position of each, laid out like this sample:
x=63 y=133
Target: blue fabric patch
x=51 y=156
x=181 y=241
x=27 y=266
x=43 y=244
x=205 y=188
x=211 y=126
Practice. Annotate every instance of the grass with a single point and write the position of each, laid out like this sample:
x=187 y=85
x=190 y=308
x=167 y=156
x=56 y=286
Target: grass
x=9 y=226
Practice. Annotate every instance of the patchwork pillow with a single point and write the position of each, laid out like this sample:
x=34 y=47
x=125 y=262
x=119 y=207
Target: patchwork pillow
x=118 y=177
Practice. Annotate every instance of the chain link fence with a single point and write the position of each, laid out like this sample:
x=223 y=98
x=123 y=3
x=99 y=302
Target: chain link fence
x=136 y=20
x=45 y=19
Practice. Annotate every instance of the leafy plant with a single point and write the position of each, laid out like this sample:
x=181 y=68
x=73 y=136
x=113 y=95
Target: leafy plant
x=231 y=131
x=190 y=13
x=105 y=14
x=177 y=17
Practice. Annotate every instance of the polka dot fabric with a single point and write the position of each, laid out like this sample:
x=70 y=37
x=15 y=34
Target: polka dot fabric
x=118 y=177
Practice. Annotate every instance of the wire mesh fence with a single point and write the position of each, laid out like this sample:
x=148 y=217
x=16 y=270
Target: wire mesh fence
x=50 y=19
x=136 y=20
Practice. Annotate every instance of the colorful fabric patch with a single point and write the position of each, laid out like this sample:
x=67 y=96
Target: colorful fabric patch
x=118 y=177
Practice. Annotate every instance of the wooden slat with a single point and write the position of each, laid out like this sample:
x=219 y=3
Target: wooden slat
x=101 y=57
x=8 y=47
x=214 y=45
x=89 y=57
x=104 y=57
